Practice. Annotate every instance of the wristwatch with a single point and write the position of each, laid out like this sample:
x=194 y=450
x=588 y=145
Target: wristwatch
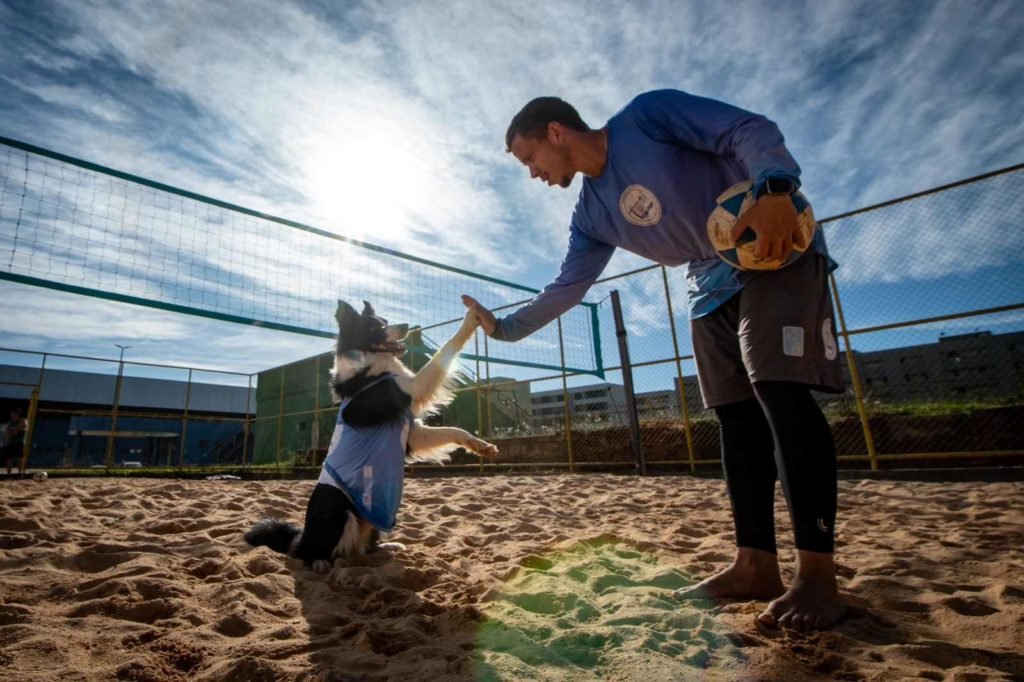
x=776 y=185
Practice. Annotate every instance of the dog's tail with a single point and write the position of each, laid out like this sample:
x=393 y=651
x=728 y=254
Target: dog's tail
x=278 y=535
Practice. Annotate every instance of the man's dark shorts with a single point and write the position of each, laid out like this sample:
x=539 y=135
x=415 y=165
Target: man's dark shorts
x=780 y=327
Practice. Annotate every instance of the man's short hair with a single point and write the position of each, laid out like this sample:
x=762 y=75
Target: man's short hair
x=533 y=119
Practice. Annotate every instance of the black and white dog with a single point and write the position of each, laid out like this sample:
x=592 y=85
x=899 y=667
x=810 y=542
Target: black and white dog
x=378 y=430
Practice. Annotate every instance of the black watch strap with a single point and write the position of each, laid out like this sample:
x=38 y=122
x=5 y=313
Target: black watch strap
x=777 y=185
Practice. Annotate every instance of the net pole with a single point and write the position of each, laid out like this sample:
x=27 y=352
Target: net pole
x=627 y=381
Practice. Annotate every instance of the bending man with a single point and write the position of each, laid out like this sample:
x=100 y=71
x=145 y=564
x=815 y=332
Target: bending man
x=762 y=340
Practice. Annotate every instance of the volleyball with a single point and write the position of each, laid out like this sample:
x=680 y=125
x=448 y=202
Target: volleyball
x=729 y=206
x=39 y=476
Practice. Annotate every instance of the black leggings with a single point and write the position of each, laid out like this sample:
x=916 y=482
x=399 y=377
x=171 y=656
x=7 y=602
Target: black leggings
x=782 y=434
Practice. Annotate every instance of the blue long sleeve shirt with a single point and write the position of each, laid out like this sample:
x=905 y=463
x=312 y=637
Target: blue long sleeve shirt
x=670 y=155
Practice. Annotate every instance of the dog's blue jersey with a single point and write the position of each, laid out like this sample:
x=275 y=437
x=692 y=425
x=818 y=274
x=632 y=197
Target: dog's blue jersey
x=670 y=154
x=367 y=464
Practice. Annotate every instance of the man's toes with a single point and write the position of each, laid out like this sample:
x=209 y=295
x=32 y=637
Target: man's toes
x=797 y=622
x=768 y=619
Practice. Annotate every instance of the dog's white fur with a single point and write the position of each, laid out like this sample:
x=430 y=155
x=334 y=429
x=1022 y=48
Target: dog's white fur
x=430 y=389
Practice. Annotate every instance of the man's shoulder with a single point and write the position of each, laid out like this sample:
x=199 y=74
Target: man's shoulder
x=651 y=99
x=647 y=113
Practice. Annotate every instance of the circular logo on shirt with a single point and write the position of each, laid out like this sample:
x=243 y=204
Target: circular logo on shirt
x=639 y=206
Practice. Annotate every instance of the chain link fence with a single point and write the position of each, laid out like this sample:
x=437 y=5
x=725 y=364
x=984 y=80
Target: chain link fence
x=87 y=413
x=929 y=301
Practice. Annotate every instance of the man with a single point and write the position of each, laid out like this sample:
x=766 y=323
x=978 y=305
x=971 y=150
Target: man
x=762 y=340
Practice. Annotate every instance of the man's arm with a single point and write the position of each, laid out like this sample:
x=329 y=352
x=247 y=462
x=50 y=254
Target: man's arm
x=584 y=262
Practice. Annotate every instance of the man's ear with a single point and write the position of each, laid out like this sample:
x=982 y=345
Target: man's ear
x=344 y=312
x=556 y=131
x=368 y=309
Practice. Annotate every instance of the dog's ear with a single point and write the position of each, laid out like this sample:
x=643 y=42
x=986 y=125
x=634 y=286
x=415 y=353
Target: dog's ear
x=344 y=313
x=368 y=309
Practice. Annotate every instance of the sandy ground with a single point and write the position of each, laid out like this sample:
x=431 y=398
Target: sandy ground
x=503 y=578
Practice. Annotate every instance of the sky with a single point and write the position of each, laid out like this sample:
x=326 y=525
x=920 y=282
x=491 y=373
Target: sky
x=384 y=122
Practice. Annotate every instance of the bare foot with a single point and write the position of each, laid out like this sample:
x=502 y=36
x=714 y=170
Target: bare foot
x=754 y=574
x=812 y=602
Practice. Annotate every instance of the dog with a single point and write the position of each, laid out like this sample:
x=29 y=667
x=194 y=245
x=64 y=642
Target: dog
x=379 y=428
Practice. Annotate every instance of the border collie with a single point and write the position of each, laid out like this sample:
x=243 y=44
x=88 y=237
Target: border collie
x=360 y=486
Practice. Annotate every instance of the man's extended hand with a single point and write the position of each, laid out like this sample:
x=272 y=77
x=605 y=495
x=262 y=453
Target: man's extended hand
x=486 y=317
x=773 y=220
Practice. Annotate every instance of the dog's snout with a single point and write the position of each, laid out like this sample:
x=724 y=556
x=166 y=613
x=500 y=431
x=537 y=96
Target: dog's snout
x=397 y=332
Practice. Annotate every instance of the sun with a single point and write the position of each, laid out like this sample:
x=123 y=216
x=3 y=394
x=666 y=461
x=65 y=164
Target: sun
x=368 y=181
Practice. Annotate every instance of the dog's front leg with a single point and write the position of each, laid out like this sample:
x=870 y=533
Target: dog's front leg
x=428 y=442
x=430 y=380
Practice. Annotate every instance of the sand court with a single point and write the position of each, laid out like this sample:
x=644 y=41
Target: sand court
x=562 y=577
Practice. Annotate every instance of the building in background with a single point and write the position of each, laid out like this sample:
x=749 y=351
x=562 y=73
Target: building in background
x=955 y=368
x=159 y=422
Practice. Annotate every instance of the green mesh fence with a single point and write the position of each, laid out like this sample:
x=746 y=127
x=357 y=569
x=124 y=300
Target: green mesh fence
x=74 y=226
x=932 y=294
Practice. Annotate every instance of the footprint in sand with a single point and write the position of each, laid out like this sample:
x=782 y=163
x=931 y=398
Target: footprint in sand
x=14 y=613
x=92 y=561
x=17 y=541
x=233 y=626
x=968 y=606
x=121 y=608
x=15 y=524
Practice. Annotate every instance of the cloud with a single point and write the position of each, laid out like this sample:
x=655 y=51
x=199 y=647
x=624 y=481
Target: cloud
x=384 y=121
x=960 y=231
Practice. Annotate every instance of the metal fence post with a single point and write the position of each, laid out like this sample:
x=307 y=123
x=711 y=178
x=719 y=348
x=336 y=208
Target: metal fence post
x=184 y=424
x=314 y=428
x=33 y=411
x=247 y=425
x=566 y=406
x=280 y=421
x=479 y=401
x=109 y=459
x=26 y=447
x=627 y=381
x=683 y=405
x=858 y=390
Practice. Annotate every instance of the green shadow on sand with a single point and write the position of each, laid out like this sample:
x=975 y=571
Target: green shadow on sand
x=600 y=609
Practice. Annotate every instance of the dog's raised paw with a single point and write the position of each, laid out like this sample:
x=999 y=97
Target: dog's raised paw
x=482 y=447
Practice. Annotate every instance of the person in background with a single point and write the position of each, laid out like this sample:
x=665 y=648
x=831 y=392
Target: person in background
x=14 y=439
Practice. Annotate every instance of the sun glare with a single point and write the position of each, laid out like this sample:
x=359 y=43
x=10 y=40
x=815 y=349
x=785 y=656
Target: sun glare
x=368 y=183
